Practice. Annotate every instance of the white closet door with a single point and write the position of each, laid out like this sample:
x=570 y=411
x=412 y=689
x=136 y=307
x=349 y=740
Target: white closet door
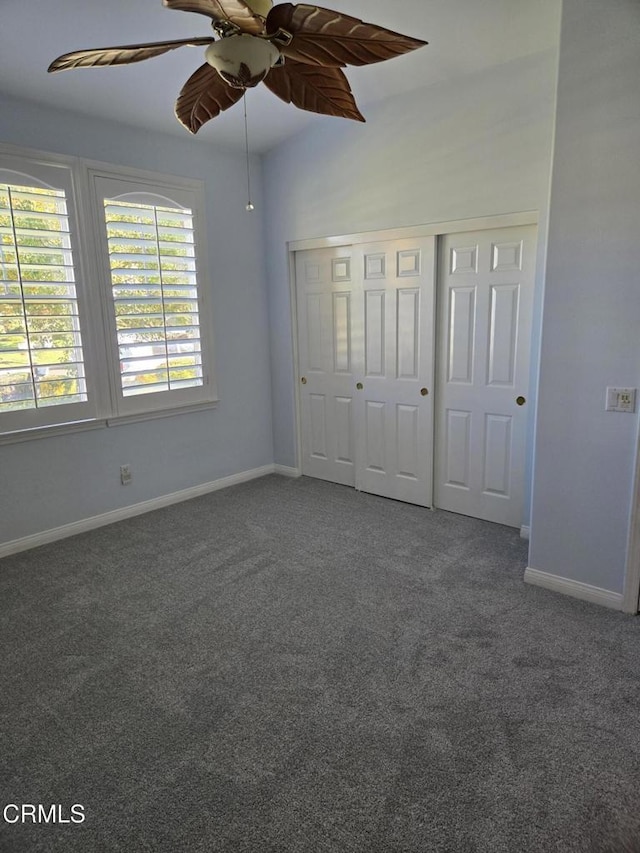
x=394 y=405
x=326 y=305
x=485 y=295
x=366 y=365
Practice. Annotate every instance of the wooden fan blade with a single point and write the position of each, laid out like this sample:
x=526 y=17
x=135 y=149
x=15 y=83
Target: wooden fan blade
x=204 y=96
x=124 y=55
x=324 y=37
x=236 y=12
x=310 y=87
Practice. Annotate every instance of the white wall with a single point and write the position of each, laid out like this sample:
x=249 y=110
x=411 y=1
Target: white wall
x=55 y=481
x=591 y=327
x=475 y=147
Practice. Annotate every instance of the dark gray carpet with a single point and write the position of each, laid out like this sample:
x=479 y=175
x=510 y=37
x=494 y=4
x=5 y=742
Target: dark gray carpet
x=290 y=666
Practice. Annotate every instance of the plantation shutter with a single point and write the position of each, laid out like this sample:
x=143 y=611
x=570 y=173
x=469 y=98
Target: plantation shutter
x=42 y=364
x=160 y=349
x=105 y=303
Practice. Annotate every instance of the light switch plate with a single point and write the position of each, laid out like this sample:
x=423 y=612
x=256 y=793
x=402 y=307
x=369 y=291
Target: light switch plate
x=621 y=400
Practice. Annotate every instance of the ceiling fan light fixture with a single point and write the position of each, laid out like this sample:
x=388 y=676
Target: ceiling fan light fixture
x=242 y=61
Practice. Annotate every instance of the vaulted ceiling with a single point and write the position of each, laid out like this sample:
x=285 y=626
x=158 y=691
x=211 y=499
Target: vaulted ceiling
x=465 y=37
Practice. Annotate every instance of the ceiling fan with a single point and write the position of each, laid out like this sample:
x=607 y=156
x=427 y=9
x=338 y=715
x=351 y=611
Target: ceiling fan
x=297 y=50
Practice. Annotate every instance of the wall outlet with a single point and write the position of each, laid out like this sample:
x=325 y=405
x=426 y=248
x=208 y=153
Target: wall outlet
x=621 y=400
x=125 y=475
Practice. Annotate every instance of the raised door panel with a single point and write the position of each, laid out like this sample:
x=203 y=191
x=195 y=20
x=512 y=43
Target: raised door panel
x=503 y=334
x=342 y=332
x=407 y=333
x=374 y=451
x=463 y=260
x=407 y=439
x=497 y=456
x=461 y=330
x=507 y=256
x=314 y=325
x=457 y=444
x=374 y=343
x=344 y=451
x=375 y=266
x=318 y=427
x=409 y=263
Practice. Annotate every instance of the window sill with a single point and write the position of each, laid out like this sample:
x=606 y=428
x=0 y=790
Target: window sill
x=38 y=433
x=161 y=413
x=35 y=433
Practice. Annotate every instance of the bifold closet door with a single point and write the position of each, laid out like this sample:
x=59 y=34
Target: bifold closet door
x=366 y=366
x=485 y=297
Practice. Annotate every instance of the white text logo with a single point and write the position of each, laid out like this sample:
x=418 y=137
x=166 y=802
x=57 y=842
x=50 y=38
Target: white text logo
x=54 y=813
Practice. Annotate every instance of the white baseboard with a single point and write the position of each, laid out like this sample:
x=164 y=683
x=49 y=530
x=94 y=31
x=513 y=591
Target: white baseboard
x=576 y=589
x=85 y=524
x=285 y=471
x=525 y=532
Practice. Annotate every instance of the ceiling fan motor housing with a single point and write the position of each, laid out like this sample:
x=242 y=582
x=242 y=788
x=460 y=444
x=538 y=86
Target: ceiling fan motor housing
x=242 y=61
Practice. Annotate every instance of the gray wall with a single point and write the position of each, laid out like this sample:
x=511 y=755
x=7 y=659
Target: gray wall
x=475 y=147
x=591 y=327
x=55 y=481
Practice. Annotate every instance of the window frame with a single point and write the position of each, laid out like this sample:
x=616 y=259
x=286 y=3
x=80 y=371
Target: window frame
x=181 y=192
x=106 y=405
x=54 y=173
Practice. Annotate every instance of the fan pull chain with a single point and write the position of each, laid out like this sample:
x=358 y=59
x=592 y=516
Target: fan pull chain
x=250 y=205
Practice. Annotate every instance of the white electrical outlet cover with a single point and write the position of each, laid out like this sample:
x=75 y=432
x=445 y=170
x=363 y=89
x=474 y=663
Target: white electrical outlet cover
x=621 y=400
